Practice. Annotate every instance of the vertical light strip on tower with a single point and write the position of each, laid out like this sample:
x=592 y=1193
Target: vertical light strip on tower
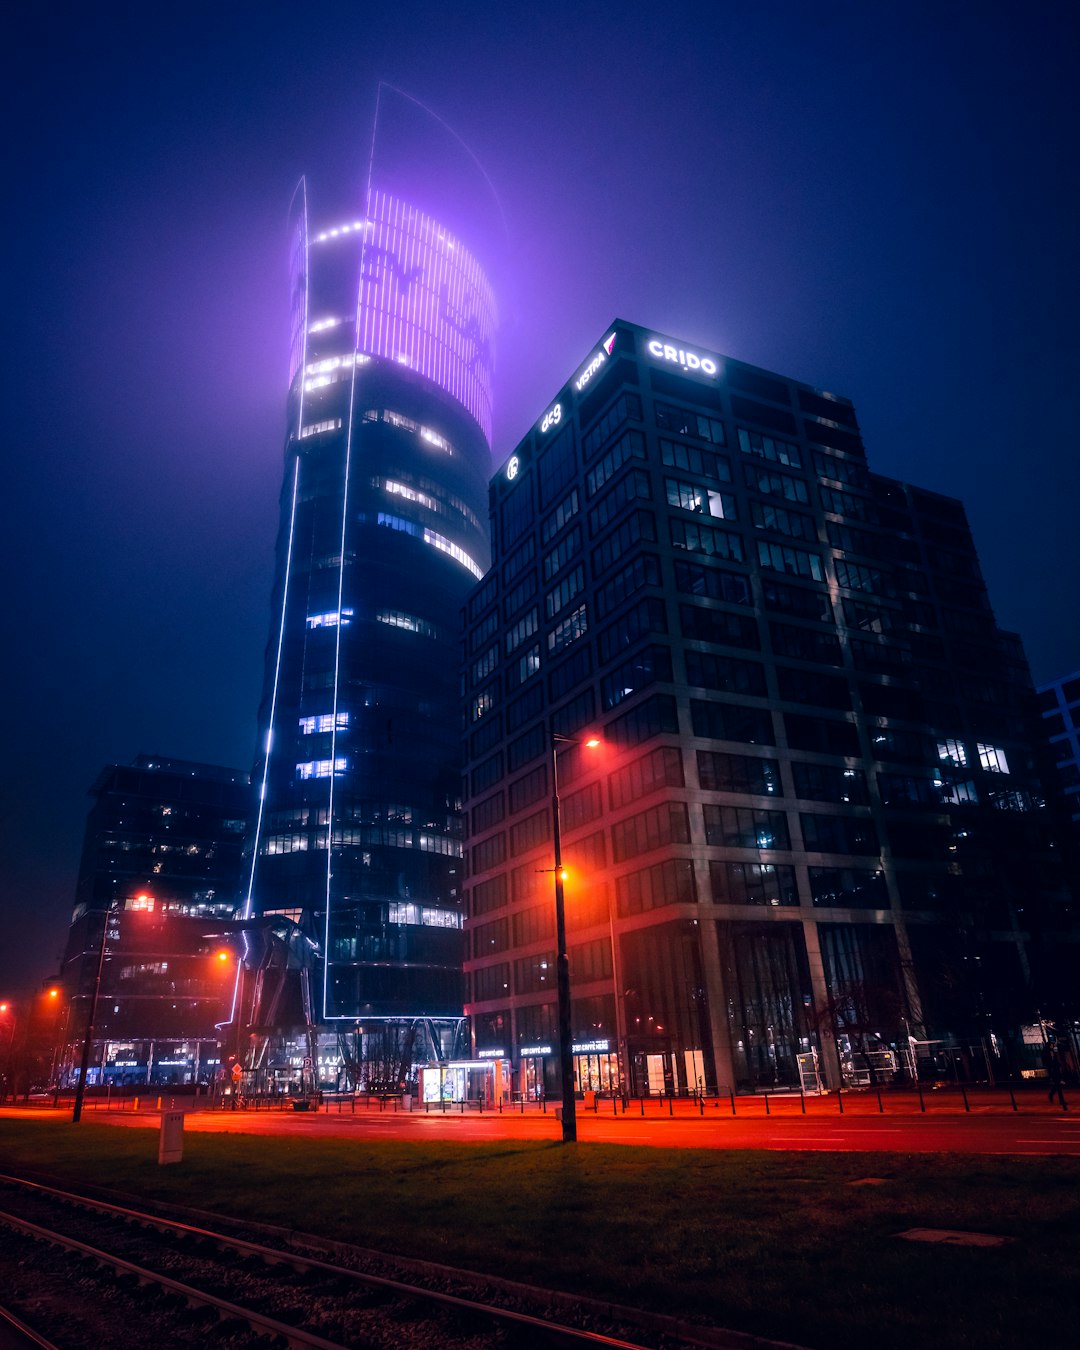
x=337 y=636
x=297 y=361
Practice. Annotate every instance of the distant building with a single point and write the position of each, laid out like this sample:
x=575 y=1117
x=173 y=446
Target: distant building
x=813 y=829
x=1059 y=705
x=161 y=865
x=357 y=835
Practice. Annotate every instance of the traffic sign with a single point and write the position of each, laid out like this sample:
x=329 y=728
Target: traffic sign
x=238 y=1070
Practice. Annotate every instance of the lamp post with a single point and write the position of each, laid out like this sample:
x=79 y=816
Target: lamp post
x=8 y=1019
x=562 y=957
x=80 y=1086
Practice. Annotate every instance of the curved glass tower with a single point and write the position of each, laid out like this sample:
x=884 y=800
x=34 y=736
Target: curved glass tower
x=382 y=536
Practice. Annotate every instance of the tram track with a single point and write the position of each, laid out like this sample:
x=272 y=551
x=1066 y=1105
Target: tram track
x=197 y=1285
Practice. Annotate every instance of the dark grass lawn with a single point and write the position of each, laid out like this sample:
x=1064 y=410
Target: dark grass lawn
x=796 y=1246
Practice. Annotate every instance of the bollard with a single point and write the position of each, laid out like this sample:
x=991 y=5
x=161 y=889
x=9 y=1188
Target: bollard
x=134 y=1103
x=1012 y=1096
x=614 y=1105
x=922 y=1103
x=158 y=1107
x=880 y=1104
x=802 y=1100
x=731 y=1094
x=701 y=1106
x=963 y=1093
x=670 y=1109
x=768 y=1112
x=642 y=1100
x=840 y=1099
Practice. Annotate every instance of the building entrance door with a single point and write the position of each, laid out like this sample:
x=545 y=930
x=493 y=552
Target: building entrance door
x=596 y=1073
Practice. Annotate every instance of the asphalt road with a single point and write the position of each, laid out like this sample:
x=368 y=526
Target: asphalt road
x=902 y=1127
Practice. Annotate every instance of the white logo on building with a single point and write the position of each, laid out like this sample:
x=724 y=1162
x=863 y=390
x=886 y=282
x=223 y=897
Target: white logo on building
x=666 y=351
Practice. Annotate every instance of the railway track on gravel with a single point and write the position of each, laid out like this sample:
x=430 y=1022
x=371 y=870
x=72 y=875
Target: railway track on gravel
x=81 y=1272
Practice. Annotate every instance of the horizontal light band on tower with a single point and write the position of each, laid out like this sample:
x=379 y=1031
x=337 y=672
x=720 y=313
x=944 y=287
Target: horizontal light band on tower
x=430 y=537
x=426 y=304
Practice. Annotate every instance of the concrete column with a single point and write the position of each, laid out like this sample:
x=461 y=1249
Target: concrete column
x=716 y=997
x=830 y=1057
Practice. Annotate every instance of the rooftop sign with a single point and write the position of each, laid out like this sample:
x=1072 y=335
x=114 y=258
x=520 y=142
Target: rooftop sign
x=681 y=356
x=597 y=360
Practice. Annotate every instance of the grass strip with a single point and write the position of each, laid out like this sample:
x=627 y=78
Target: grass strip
x=795 y=1246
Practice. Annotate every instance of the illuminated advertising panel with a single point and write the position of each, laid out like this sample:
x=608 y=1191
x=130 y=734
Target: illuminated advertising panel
x=425 y=303
x=681 y=356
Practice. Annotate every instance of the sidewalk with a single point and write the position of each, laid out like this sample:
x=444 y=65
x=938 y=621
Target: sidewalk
x=936 y=1100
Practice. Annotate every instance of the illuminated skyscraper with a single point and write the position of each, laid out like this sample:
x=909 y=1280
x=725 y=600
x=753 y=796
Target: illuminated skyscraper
x=382 y=536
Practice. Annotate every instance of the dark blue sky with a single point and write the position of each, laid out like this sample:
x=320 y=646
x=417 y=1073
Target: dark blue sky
x=878 y=198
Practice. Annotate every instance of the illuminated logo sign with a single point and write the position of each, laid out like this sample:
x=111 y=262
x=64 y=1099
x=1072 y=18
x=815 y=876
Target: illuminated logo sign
x=590 y=1047
x=665 y=351
x=512 y=468
x=552 y=418
x=426 y=304
x=528 y=1050
x=491 y=1054
x=597 y=361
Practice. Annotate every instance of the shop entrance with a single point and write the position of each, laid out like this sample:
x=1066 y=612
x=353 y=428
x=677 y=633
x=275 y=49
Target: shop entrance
x=596 y=1073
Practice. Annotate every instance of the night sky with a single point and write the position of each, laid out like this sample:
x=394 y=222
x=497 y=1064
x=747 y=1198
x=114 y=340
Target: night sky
x=877 y=198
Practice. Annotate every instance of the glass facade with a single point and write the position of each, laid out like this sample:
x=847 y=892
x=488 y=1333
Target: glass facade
x=161 y=867
x=815 y=826
x=357 y=835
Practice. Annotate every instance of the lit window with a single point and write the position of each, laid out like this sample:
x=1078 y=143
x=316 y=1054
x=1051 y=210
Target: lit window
x=992 y=758
x=952 y=752
x=403 y=423
x=403 y=912
x=482 y=703
x=330 y=619
x=320 y=768
x=350 y=227
x=324 y=722
x=285 y=843
x=432 y=539
x=569 y=630
x=529 y=664
x=397 y=618
x=317 y=428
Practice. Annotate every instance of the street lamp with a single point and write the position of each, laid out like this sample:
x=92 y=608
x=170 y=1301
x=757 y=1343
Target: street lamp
x=80 y=1086
x=562 y=957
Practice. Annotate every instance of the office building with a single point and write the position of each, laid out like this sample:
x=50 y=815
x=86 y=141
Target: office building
x=357 y=835
x=812 y=839
x=1059 y=707
x=158 y=888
